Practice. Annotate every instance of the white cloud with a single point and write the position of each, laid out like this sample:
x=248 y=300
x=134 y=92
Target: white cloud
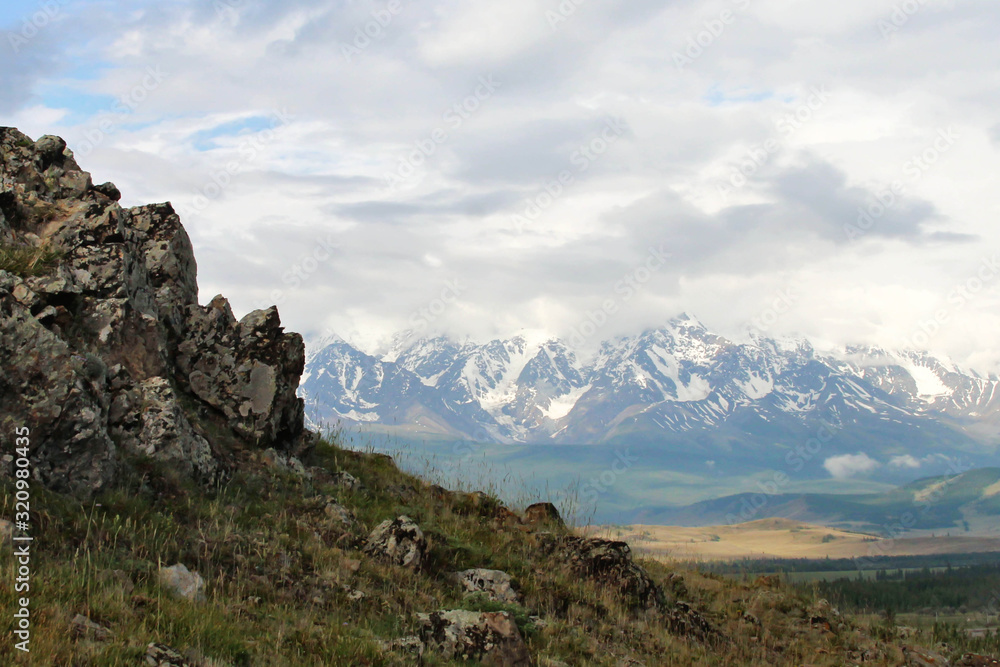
x=688 y=132
x=905 y=461
x=850 y=465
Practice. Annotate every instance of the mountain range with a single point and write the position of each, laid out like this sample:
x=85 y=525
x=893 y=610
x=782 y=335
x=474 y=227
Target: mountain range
x=777 y=403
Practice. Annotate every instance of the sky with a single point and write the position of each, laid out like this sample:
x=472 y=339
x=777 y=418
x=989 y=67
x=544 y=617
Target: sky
x=798 y=168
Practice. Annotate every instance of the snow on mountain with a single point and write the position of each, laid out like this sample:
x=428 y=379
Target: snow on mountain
x=675 y=379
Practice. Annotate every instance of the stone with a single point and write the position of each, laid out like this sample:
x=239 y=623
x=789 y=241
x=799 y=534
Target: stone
x=408 y=645
x=544 y=514
x=183 y=582
x=84 y=628
x=109 y=190
x=606 y=562
x=975 y=660
x=161 y=655
x=490 y=638
x=338 y=512
x=922 y=657
x=398 y=542
x=497 y=585
x=346 y=481
x=285 y=462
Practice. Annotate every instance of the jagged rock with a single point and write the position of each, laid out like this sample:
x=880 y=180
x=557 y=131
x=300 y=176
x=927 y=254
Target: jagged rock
x=183 y=582
x=491 y=638
x=607 y=562
x=544 y=514
x=161 y=655
x=105 y=342
x=922 y=657
x=497 y=585
x=975 y=660
x=399 y=542
x=248 y=370
x=149 y=420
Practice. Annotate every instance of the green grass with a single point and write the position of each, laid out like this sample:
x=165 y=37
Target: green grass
x=279 y=573
x=26 y=260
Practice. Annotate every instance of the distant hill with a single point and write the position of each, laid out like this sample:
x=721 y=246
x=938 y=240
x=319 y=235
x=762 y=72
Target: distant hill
x=966 y=501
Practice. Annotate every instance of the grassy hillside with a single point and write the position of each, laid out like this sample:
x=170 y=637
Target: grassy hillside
x=289 y=584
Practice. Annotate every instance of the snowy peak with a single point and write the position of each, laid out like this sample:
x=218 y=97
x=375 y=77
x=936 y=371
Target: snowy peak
x=674 y=379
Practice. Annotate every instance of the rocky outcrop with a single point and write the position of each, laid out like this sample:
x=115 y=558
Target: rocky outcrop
x=104 y=349
x=607 y=562
x=490 y=638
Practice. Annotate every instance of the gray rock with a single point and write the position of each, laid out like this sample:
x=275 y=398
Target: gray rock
x=409 y=645
x=336 y=511
x=497 y=585
x=398 y=542
x=183 y=582
x=285 y=462
x=346 y=481
x=107 y=343
x=84 y=628
x=606 y=562
x=491 y=638
x=921 y=657
x=161 y=655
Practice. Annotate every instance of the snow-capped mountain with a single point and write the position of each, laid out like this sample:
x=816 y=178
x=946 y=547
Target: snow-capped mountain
x=680 y=380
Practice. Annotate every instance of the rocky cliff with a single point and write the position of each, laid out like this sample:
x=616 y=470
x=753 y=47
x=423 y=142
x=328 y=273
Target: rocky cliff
x=106 y=354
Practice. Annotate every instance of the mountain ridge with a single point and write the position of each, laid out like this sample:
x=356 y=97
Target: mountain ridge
x=677 y=379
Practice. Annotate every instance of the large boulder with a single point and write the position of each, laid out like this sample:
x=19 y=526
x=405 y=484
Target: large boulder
x=489 y=638
x=104 y=349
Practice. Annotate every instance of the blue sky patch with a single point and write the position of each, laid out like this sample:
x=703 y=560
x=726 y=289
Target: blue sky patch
x=205 y=140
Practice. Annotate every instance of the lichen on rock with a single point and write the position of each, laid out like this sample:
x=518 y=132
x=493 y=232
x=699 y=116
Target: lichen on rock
x=105 y=352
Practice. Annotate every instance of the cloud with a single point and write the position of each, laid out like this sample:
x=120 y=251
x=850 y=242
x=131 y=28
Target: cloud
x=689 y=171
x=905 y=461
x=846 y=466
